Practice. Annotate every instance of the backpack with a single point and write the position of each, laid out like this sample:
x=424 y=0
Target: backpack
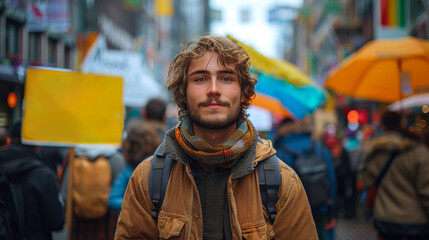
x=12 y=222
x=91 y=186
x=313 y=171
x=268 y=175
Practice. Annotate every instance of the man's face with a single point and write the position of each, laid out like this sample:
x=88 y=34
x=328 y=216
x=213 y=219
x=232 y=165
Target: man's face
x=213 y=93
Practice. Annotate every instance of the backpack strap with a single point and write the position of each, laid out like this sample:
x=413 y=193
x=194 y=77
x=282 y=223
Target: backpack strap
x=268 y=174
x=159 y=175
x=386 y=167
x=269 y=184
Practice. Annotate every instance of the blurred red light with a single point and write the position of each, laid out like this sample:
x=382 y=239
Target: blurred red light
x=353 y=116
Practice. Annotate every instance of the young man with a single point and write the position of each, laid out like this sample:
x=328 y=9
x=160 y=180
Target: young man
x=213 y=191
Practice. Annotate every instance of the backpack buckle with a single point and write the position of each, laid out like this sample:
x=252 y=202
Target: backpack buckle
x=155 y=213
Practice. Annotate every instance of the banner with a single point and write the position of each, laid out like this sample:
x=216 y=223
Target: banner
x=84 y=43
x=37 y=16
x=65 y=108
x=58 y=16
x=139 y=83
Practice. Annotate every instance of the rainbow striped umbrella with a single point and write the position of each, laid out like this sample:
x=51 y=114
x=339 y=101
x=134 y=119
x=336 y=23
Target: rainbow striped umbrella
x=282 y=88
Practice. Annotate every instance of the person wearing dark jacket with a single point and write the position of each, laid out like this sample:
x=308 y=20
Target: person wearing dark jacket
x=43 y=212
x=294 y=140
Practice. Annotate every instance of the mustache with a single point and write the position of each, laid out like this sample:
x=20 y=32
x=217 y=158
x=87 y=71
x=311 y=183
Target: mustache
x=211 y=100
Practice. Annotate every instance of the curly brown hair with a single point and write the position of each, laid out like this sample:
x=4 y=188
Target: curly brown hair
x=141 y=141
x=230 y=53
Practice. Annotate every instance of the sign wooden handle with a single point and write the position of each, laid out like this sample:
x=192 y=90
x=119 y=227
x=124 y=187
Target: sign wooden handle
x=69 y=206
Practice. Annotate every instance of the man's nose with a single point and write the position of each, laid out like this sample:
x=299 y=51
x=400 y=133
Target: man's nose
x=214 y=89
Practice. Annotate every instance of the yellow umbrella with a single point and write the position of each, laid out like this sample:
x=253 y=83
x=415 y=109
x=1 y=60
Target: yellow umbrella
x=275 y=67
x=384 y=70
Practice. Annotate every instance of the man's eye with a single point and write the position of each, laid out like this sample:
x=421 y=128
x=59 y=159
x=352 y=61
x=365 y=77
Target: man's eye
x=227 y=79
x=200 y=79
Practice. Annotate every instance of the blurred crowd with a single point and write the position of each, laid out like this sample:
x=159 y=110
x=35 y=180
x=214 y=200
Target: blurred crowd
x=371 y=174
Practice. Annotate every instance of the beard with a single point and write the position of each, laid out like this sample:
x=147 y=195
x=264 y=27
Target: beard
x=215 y=121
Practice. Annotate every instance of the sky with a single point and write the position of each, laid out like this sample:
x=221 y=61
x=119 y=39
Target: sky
x=258 y=32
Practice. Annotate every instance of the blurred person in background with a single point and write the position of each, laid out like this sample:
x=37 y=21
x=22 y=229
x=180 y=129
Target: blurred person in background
x=154 y=115
x=4 y=138
x=213 y=190
x=140 y=143
x=292 y=141
x=82 y=227
x=53 y=158
x=41 y=208
x=345 y=178
x=401 y=206
x=425 y=137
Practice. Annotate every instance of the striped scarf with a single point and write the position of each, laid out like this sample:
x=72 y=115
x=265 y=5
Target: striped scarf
x=224 y=153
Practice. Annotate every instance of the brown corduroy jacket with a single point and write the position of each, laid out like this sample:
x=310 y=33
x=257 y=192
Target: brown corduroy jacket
x=180 y=216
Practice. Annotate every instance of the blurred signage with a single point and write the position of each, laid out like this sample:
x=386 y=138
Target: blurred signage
x=333 y=6
x=282 y=14
x=163 y=8
x=215 y=15
x=116 y=34
x=390 y=18
x=392 y=13
x=37 y=16
x=84 y=43
x=58 y=15
x=139 y=84
x=132 y=5
x=65 y=108
x=15 y=3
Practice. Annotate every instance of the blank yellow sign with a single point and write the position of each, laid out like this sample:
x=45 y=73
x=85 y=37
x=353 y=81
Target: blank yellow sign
x=66 y=108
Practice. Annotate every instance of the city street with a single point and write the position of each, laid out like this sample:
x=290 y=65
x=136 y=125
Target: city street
x=355 y=229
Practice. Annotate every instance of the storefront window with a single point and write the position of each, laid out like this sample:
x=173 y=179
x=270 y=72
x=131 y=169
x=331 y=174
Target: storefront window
x=68 y=57
x=14 y=41
x=52 y=52
x=35 y=46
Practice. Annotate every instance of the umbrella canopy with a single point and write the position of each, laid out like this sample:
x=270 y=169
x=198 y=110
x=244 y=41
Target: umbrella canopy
x=282 y=88
x=384 y=70
x=417 y=100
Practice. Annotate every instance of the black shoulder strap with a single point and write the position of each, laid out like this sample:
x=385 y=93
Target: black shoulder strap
x=386 y=167
x=269 y=184
x=159 y=175
x=18 y=204
x=268 y=174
